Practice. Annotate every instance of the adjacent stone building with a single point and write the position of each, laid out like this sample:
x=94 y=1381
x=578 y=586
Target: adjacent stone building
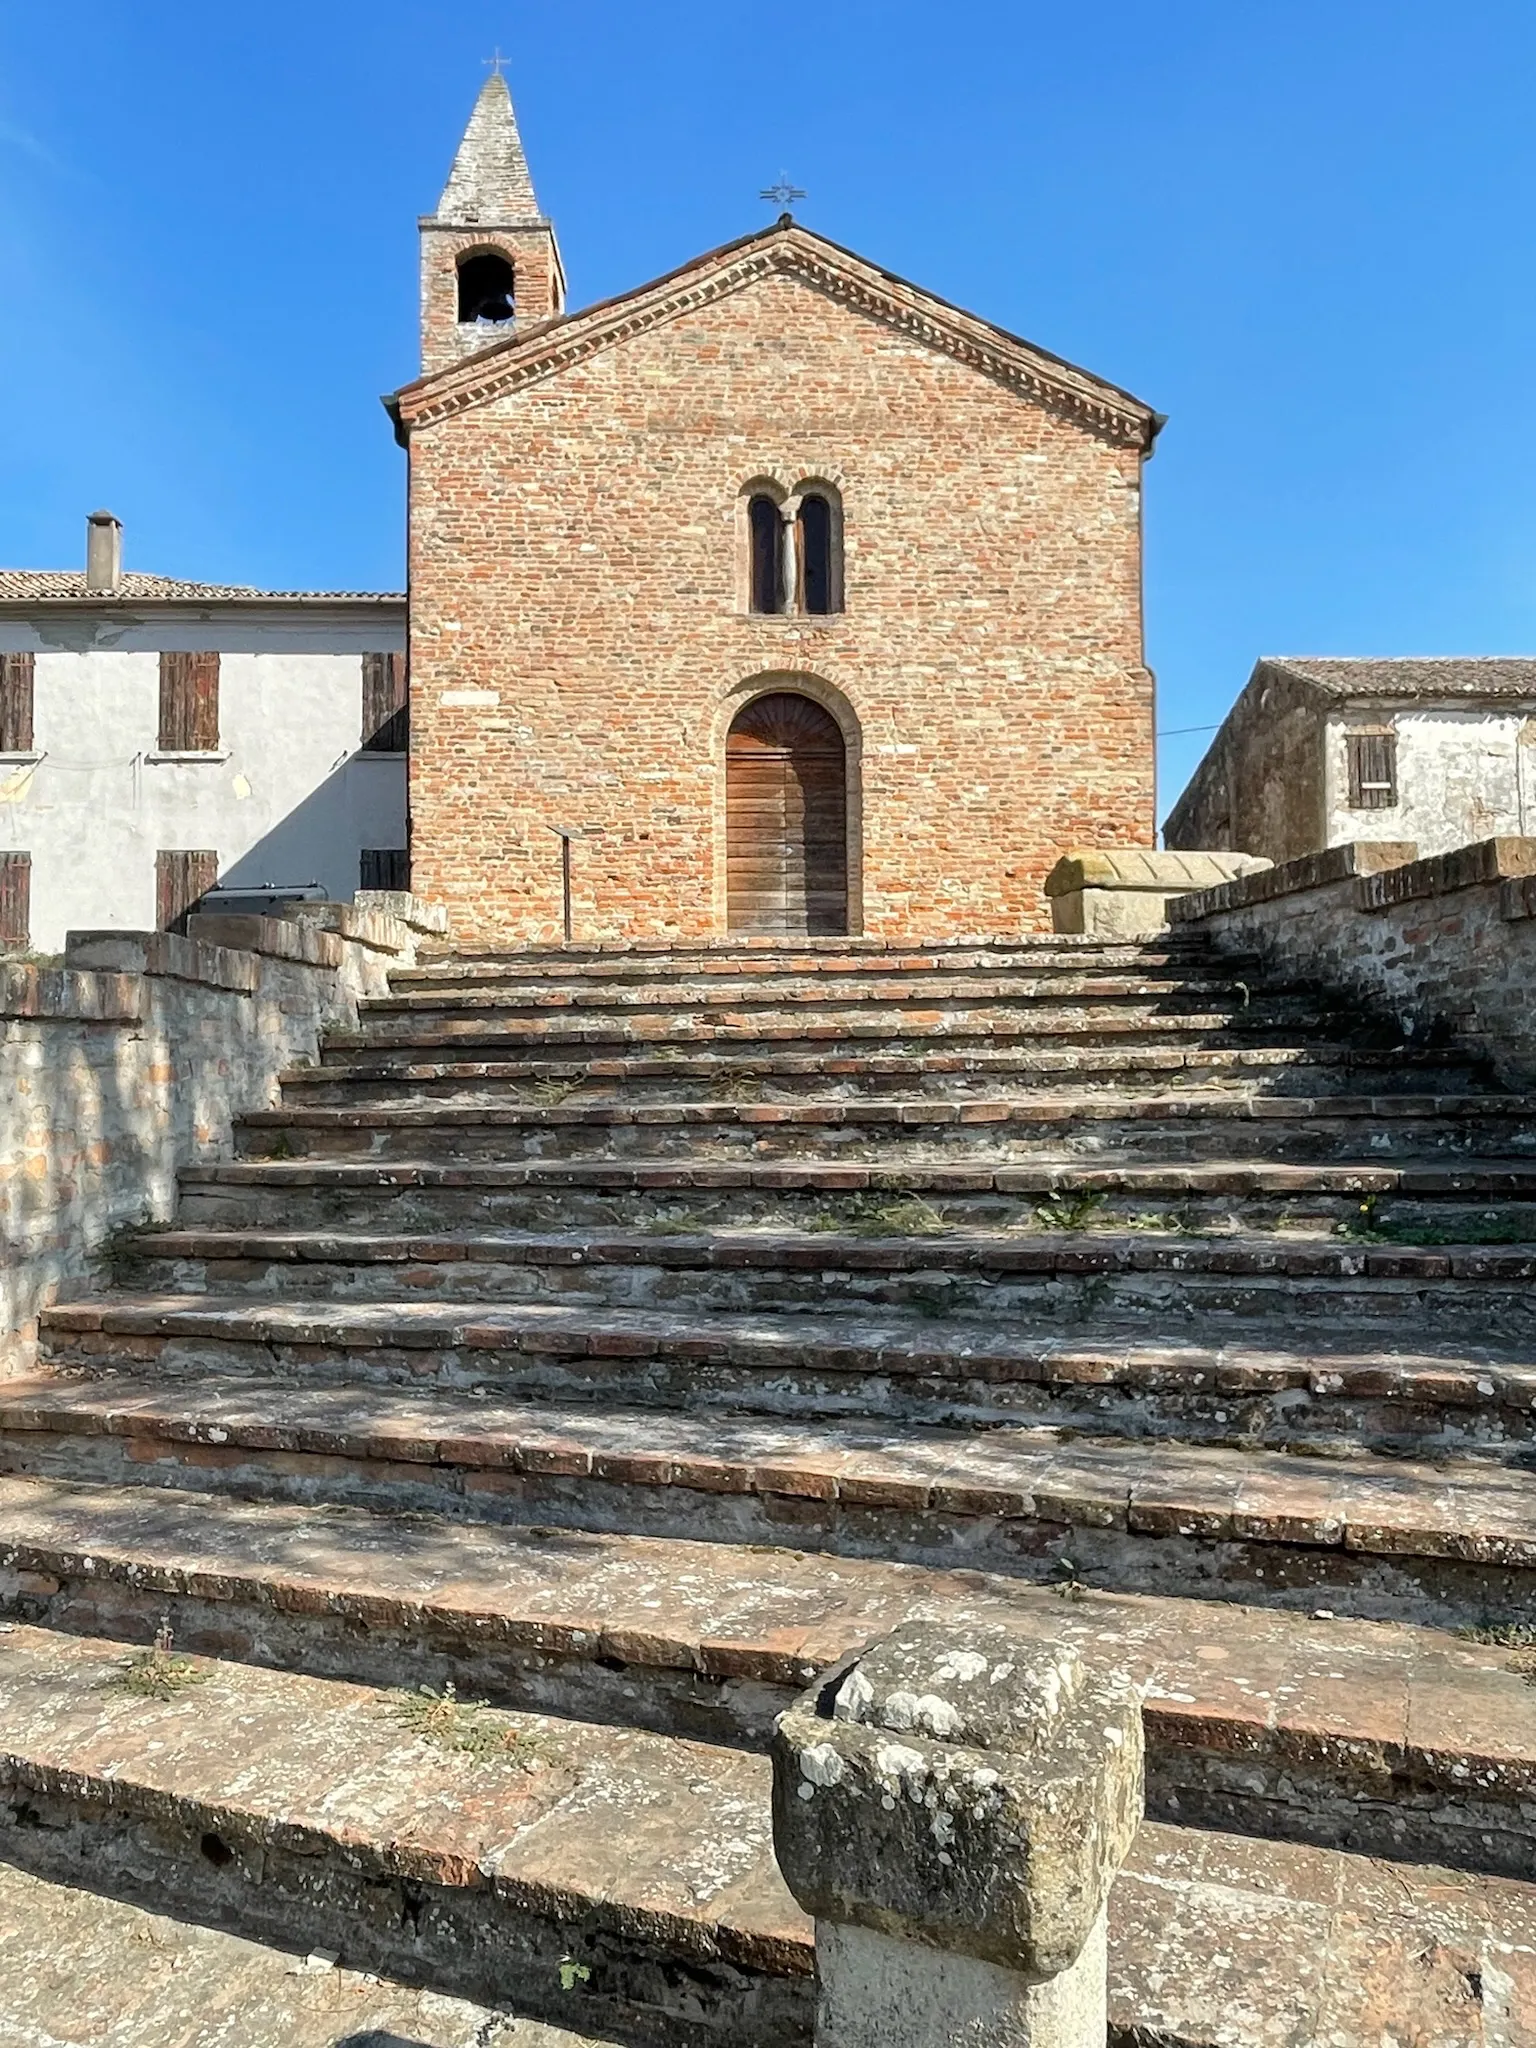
x=1317 y=753
x=776 y=595
x=161 y=738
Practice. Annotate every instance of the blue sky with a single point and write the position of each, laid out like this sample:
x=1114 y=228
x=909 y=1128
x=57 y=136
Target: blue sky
x=1303 y=231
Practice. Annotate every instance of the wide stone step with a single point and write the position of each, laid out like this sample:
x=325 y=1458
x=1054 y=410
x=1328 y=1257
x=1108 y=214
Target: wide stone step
x=1459 y=1290
x=1379 y=1738
x=1449 y=1541
x=678 y=955
x=1454 y=1202
x=78 y=1970
x=589 y=1872
x=1207 y=1126
x=1211 y=1384
x=947 y=988
x=301 y=1810
x=356 y=1076
x=914 y=1029
x=1053 y=955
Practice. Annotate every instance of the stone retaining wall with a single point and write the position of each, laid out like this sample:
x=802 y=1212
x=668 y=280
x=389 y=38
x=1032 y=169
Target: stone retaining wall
x=135 y=1058
x=1446 y=946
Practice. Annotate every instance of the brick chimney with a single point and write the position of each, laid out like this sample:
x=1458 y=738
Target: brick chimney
x=103 y=553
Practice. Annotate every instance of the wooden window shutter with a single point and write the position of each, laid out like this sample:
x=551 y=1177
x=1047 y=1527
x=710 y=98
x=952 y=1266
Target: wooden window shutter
x=15 y=899
x=17 y=677
x=1372 y=771
x=386 y=704
x=384 y=867
x=189 y=703
x=182 y=880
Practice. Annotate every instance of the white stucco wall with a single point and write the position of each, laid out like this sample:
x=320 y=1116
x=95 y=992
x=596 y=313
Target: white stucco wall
x=1464 y=773
x=289 y=798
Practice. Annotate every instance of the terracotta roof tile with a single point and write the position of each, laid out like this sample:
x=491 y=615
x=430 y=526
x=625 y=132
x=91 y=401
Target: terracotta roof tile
x=1451 y=675
x=55 y=586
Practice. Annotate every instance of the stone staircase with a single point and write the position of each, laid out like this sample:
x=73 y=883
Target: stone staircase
x=618 y=1338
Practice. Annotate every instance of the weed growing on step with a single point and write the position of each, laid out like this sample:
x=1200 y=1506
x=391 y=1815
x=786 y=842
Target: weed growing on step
x=280 y=1147
x=158 y=1673
x=550 y=1094
x=674 y=1223
x=741 y=1088
x=1069 y=1211
x=463 y=1727
x=1368 y=1226
x=873 y=1215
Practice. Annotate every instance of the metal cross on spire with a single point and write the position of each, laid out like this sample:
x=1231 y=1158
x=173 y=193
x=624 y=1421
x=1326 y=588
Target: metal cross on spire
x=783 y=195
x=496 y=63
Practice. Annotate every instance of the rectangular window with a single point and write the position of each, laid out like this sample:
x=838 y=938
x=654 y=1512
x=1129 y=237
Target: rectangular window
x=182 y=880
x=189 y=703
x=17 y=676
x=15 y=900
x=1372 y=770
x=386 y=713
x=384 y=867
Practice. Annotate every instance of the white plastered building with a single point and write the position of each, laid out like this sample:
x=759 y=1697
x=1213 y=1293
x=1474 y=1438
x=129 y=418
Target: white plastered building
x=160 y=737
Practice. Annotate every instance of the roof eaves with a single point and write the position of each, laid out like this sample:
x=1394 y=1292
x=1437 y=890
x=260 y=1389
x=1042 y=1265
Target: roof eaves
x=472 y=368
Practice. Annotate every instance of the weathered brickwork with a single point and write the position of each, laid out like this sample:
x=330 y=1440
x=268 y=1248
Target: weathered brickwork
x=580 y=639
x=582 y=633
x=1445 y=946
x=134 y=1060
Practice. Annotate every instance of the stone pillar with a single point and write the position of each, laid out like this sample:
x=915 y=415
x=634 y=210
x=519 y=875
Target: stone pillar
x=951 y=1808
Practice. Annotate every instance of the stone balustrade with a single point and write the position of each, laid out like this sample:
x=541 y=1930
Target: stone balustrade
x=951 y=1808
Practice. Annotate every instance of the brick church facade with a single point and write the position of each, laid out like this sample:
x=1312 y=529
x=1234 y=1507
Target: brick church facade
x=799 y=599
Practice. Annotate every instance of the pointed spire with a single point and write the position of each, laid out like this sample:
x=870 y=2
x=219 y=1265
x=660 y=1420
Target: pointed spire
x=489 y=180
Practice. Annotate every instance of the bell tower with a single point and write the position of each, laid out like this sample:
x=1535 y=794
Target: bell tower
x=490 y=264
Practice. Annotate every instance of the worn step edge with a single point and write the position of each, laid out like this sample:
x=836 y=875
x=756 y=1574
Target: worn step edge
x=1242 y=1363
x=921 y=1111
x=1325 y=1939
x=1194 y=1068
x=1348 y=1701
x=1468 y=1511
x=926 y=1176
x=1075 y=1253
x=292 y=1776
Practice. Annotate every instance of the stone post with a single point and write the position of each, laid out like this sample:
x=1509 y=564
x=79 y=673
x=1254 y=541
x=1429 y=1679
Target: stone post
x=951 y=1808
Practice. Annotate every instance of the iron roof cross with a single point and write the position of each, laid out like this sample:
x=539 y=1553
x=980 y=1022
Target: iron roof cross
x=783 y=195
x=496 y=63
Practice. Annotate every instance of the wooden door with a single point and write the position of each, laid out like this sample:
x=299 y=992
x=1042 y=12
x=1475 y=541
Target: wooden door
x=786 y=809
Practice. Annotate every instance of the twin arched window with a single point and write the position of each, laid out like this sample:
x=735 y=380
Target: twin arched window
x=795 y=552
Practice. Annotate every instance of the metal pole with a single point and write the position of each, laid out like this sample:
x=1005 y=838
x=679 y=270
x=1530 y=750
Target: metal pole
x=565 y=836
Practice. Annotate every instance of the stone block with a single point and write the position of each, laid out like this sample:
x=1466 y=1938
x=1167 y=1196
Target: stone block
x=1125 y=894
x=970 y=1791
x=165 y=954
x=276 y=937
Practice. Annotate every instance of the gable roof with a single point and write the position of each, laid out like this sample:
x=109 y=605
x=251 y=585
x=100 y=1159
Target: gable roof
x=1424 y=676
x=20 y=587
x=554 y=345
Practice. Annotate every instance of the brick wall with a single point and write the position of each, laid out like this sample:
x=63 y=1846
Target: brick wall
x=1445 y=946
x=580 y=643
x=135 y=1058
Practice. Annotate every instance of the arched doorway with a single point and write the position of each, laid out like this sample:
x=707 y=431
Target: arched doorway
x=786 y=819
